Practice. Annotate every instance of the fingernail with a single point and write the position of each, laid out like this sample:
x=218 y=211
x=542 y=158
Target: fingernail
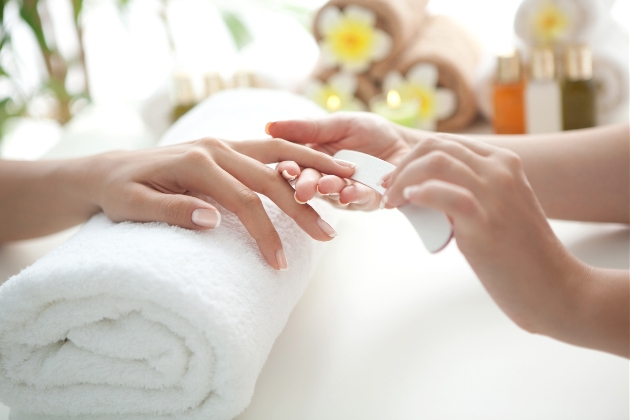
x=288 y=176
x=319 y=192
x=342 y=203
x=282 y=260
x=206 y=218
x=384 y=179
x=267 y=127
x=383 y=202
x=326 y=228
x=345 y=163
x=407 y=192
x=296 y=199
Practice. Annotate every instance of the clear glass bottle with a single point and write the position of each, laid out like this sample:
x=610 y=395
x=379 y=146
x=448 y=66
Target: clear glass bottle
x=578 y=88
x=543 y=104
x=508 y=95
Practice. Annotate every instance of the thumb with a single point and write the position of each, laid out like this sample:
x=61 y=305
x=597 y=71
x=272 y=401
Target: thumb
x=323 y=130
x=185 y=211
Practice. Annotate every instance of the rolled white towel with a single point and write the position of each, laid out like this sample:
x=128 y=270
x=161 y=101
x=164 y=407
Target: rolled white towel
x=149 y=321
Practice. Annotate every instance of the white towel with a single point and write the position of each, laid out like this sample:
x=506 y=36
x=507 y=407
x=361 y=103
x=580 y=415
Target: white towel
x=148 y=321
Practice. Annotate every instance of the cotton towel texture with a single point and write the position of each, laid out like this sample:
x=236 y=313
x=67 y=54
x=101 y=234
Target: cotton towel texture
x=149 y=321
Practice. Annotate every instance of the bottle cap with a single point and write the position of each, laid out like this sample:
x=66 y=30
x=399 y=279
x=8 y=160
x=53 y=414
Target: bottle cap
x=509 y=67
x=542 y=64
x=578 y=62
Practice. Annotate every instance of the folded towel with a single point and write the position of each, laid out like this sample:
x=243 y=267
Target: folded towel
x=149 y=321
x=456 y=53
x=400 y=20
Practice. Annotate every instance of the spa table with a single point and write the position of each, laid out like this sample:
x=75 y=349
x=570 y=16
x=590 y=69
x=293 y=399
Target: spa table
x=386 y=330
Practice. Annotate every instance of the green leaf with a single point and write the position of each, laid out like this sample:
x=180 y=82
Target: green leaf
x=239 y=31
x=30 y=15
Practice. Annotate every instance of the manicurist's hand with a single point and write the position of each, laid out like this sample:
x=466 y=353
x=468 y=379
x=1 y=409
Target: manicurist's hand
x=363 y=132
x=501 y=229
x=167 y=184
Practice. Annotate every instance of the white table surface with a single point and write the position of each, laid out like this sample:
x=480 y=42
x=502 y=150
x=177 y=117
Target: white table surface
x=387 y=331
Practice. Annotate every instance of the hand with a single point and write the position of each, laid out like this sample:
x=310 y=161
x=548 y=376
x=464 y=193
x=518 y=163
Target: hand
x=169 y=184
x=363 y=132
x=499 y=226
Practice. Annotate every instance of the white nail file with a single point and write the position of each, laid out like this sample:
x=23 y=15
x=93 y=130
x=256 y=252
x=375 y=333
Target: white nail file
x=432 y=226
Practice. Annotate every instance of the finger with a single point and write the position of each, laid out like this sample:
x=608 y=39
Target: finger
x=306 y=185
x=459 y=204
x=476 y=146
x=434 y=144
x=331 y=184
x=278 y=150
x=289 y=170
x=148 y=205
x=247 y=206
x=359 y=197
x=323 y=130
x=267 y=181
x=435 y=165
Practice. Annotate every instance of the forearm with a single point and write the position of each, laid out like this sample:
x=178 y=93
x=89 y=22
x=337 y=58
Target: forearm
x=576 y=175
x=599 y=317
x=40 y=198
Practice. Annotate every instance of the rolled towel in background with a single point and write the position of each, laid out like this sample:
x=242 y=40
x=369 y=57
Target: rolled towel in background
x=455 y=53
x=149 y=321
x=400 y=20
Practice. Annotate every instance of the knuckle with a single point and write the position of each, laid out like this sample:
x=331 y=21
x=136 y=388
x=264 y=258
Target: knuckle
x=465 y=204
x=511 y=160
x=196 y=156
x=173 y=209
x=210 y=142
x=438 y=162
x=250 y=199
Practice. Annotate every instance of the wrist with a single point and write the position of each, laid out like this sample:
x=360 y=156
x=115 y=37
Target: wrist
x=81 y=179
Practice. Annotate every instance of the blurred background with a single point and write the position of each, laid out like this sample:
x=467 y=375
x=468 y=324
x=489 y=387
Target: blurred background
x=104 y=74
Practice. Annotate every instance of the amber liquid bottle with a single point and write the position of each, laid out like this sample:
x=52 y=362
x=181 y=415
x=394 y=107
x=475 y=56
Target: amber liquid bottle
x=508 y=96
x=578 y=89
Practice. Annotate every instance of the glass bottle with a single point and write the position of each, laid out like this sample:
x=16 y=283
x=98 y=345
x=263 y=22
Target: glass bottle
x=183 y=95
x=543 y=106
x=578 y=88
x=508 y=95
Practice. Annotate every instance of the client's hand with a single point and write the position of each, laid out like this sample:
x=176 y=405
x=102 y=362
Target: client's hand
x=363 y=132
x=499 y=226
x=169 y=184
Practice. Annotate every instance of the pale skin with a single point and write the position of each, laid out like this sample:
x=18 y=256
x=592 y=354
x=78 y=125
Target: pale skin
x=167 y=184
x=498 y=192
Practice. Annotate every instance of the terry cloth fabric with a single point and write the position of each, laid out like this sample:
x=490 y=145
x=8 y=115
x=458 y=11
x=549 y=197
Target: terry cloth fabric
x=456 y=54
x=142 y=321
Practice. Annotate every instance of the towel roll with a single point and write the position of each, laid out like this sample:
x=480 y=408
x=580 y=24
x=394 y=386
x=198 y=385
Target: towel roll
x=455 y=52
x=400 y=19
x=149 y=321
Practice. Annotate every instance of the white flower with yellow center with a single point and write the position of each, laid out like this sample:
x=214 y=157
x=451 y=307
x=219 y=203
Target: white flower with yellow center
x=421 y=84
x=550 y=22
x=336 y=94
x=350 y=38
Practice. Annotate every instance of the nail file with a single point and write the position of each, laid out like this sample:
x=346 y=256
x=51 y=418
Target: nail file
x=433 y=227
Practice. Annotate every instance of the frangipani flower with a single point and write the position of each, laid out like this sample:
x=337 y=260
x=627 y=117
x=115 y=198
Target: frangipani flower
x=350 y=39
x=421 y=84
x=337 y=94
x=553 y=21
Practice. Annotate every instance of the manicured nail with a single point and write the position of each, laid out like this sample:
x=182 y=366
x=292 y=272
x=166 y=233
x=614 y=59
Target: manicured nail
x=267 y=127
x=206 y=218
x=282 y=260
x=345 y=163
x=384 y=179
x=326 y=228
x=407 y=192
x=288 y=176
x=319 y=192
x=296 y=199
x=383 y=202
x=341 y=203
